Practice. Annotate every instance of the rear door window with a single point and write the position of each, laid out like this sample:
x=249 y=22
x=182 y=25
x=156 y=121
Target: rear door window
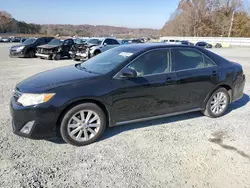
x=186 y=59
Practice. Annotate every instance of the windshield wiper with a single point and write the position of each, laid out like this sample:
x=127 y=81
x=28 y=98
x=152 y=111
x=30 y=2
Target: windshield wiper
x=82 y=68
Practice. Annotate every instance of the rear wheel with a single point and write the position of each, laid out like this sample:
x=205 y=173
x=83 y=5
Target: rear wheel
x=217 y=104
x=83 y=124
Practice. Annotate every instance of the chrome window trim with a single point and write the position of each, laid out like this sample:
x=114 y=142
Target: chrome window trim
x=157 y=117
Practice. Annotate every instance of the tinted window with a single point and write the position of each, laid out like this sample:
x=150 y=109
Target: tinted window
x=208 y=62
x=154 y=62
x=109 y=41
x=115 y=42
x=41 y=41
x=188 y=59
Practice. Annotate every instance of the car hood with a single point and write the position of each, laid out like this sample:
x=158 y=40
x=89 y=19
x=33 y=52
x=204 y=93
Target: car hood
x=47 y=46
x=19 y=45
x=53 y=78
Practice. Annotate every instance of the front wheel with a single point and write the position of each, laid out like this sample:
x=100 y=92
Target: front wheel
x=83 y=124
x=30 y=54
x=217 y=104
x=56 y=57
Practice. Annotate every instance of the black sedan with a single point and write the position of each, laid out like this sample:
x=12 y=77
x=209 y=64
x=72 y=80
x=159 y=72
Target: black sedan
x=28 y=47
x=204 y=45
x=126 y=84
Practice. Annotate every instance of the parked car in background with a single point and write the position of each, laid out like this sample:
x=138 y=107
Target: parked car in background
x=6 y=39
x=23 y=39
x=15 y=39
x=55 y=49
x=203 y=45
x=171 y=41
x=28 y=47
x=93 y=47
x=218 y=45
x=131 y=41
x=127 y=84
x=186 y=42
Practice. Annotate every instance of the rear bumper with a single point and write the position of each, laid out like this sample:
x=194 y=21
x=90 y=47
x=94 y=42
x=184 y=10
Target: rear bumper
x=238 y=90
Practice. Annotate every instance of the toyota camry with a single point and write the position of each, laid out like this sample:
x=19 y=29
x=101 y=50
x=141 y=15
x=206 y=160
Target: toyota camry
x=127 y=84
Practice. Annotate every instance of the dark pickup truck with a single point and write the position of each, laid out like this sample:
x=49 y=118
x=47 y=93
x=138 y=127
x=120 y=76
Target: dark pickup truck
x=56 y=49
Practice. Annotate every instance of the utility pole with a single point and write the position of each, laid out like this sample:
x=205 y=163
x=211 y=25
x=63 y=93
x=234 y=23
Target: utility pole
x=231 y=25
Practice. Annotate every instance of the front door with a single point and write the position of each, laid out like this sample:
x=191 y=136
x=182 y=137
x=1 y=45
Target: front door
x=67 y=47
x=149 y=94
x=196 y=75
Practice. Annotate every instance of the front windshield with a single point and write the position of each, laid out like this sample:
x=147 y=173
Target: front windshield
x=94 y=41
x=109 y=60
x=79 y=41
x=56 y=42
x=29 y=41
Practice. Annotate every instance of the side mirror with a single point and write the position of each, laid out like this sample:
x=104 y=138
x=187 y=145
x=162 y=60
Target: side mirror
x=105 y=44
x=128 y=73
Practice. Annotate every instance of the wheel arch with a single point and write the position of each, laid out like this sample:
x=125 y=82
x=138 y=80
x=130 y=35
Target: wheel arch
x=226 y=86
x=81 y=101
x=97 y=51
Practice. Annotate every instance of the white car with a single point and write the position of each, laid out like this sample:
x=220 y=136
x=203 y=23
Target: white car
x=171 y=41
x=93 y=47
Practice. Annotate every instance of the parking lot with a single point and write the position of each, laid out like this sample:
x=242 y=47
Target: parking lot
x=188 y=150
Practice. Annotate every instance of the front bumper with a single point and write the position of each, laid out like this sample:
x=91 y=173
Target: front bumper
x=16 y=54
x=79 y=56
x=238 y=90
x=44 y=117
x=43 y=55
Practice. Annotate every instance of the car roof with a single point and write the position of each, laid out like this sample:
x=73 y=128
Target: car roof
x=149 y=46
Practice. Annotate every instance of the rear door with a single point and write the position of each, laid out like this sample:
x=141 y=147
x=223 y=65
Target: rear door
x=196 y=76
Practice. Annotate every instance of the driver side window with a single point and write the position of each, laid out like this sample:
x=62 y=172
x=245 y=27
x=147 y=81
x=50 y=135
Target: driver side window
x=154 y=62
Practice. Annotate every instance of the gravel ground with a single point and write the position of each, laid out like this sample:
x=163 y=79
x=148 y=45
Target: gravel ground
x=182 y=151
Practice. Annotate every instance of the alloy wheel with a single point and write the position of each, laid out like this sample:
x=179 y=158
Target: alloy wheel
x=83 y=125
x=218 y=103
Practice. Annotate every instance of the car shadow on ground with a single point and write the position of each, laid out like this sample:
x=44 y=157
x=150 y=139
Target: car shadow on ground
x=113 y=131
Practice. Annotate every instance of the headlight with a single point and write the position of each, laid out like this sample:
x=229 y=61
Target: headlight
x=20 y=48
x=28 y=99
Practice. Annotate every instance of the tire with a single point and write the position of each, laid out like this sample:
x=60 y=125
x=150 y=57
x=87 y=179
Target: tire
x=75 y=112
x=222 y=104
x=56 y=57
x=30 y=54
x=96 y=53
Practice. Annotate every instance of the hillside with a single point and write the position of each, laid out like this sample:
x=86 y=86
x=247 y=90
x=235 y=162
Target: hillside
x=99 y=30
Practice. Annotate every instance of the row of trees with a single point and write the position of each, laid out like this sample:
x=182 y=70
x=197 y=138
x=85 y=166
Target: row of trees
x=9 y=24
x=209 y=18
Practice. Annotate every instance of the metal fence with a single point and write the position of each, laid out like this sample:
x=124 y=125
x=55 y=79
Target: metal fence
x=226 y=41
